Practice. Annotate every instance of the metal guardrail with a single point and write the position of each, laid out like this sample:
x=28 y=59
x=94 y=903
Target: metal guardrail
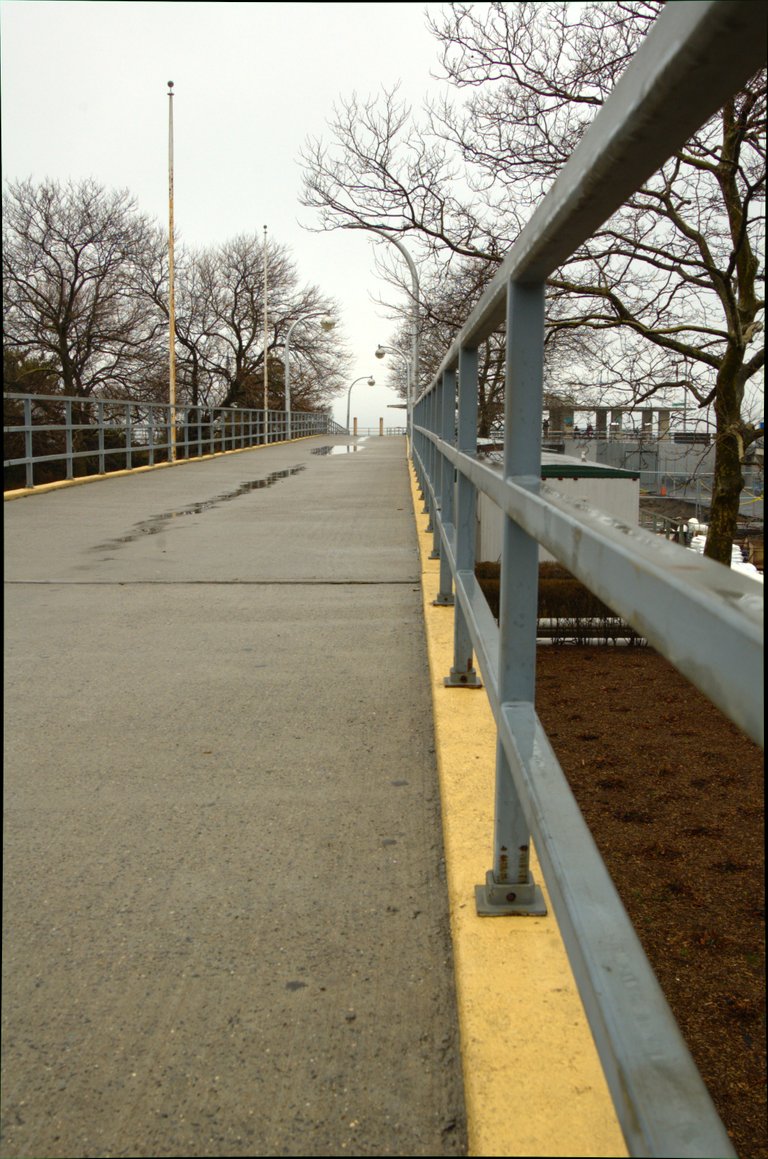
x=111 y=434
x=706 y=619
x=624 y=434
x=375 y=432
x=696 y=489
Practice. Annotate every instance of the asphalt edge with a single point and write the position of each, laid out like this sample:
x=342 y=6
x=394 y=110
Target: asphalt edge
x=533 y=1083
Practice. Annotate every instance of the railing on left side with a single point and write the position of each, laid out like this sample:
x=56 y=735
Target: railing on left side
x=95 y=436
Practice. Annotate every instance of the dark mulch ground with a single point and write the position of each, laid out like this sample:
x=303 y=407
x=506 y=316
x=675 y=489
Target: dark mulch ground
x=673 y=793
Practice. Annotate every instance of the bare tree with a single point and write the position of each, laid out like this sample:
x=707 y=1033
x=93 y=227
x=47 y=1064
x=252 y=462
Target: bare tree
x=230 y=303
x=70 y=259
x=448 y=297
x=669 y=286
x=319 y=359
x=194 y=384
x=220 y=326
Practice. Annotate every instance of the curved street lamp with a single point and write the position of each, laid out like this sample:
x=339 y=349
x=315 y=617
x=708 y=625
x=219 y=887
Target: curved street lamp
x=326 y=324
x=415 y=298
x=371 y=382
x=381 y=352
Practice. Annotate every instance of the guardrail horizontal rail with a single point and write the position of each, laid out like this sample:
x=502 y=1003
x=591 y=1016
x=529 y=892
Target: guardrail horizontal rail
x=686 y=606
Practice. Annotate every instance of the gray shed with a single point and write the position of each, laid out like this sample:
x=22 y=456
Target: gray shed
x=611 y=489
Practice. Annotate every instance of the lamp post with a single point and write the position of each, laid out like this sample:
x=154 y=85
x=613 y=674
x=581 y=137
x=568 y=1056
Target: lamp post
x=326 y=324
x=371 y=382
x=415 y=295
x=381 y=352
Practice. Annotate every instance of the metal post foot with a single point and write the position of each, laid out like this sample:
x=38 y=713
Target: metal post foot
x=462 y=678
x=443 y=601
x=496 y=899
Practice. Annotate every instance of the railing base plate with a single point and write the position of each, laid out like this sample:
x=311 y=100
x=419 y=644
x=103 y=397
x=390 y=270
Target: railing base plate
x=460 y=678
x=496 y=899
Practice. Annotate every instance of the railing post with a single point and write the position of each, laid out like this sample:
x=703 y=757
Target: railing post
x=463 y=674
x=100 y=426
x=68 y=444
x=128 y=438
x=509 y=887
x=28 y=448
x=419 y=443
x=429 y=459
x=444 y=485
x=434 y=472
x=423 y=412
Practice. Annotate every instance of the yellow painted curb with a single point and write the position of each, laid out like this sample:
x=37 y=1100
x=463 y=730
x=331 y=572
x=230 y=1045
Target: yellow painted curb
x=533 y=1083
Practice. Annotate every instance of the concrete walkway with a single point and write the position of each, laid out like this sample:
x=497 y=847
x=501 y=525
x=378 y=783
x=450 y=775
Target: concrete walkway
x=226 y=918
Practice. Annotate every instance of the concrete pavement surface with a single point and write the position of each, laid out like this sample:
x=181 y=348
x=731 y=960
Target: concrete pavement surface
x=225 y=910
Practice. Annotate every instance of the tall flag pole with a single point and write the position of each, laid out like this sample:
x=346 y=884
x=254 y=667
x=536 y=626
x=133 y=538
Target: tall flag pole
x=171 y=284
x=266 y=333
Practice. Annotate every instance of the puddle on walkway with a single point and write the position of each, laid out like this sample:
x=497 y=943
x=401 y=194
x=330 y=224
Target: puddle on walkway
x=157 y=523
x=336 y=450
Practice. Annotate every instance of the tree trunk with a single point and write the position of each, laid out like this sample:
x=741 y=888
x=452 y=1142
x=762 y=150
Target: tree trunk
x=728 y=481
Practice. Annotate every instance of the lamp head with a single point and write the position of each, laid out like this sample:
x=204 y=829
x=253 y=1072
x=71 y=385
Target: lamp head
x=327 y=323
x=371 y=381
x=380 y=352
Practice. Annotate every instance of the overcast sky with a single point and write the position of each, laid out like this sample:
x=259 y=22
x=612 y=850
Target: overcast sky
x=84 y=94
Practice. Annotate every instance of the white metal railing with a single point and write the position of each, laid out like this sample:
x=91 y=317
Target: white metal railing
x=375 y=432
x=103 y=435
x=706 y=619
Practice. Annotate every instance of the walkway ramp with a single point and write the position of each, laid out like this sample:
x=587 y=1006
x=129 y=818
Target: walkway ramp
x=226 y=913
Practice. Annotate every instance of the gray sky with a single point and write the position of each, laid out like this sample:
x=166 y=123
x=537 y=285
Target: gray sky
x=84 y=94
